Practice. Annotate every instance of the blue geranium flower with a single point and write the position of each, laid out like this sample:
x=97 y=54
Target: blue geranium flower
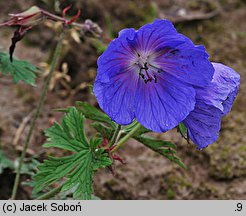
x=150 y=75
x=212 y=103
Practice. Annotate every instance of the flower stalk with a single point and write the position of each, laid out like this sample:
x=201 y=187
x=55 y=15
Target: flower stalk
x=36 y=15
x=37 y=113
x=125 y=138
x=115 y=135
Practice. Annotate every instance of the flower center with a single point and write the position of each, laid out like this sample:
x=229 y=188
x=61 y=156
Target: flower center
x=142 y=61
x=147 y=71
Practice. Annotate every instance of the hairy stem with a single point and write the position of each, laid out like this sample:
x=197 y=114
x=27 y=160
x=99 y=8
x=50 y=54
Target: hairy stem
x=37 y=112
x=116 y=132
x=126 y=137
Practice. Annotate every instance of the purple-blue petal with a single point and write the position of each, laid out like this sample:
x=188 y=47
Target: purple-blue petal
x=162 y=106
x=174 y=53
x=116 y=98
x=203 y=124
x=116 y=57
x=151 y=37
x=212 y=102
x=214 y=94
x=230 y=79
x=189 y=64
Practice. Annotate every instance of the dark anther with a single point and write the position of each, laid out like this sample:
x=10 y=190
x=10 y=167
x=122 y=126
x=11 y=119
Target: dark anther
x=159 y=70
x=142 y=75
x=155 y=78
x=175 y=51
x=145 y=66
x=147 y=80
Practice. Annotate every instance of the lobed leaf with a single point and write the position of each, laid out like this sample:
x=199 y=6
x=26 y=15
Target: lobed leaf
x=5 y=162
x=164 y=148
x=93 y=113
x=78 y=168
x=19 y=69
x=103 y=130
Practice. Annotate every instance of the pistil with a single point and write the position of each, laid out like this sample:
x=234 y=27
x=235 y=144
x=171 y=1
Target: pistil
x=147 y=71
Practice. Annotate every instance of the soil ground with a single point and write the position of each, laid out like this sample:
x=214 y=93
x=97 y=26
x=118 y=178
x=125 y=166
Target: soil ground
x=217 y=172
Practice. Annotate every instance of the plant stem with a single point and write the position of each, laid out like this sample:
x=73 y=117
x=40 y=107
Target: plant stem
x=126 y=137
x=53 y=17
x=50 y=193
x=116 y=132
x=37 y=112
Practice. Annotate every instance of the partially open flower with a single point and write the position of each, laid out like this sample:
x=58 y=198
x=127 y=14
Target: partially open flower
x=212 y=103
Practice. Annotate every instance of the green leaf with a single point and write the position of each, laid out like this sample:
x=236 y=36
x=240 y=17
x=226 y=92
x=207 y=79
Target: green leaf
x=5 y=162
x=101 y=160
x=93 y=113
x=103 y=130
x=20 y=70
x=141 y=131
x=79 y=167
x=164 y=148
x=28 y=167
x=182 y=129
